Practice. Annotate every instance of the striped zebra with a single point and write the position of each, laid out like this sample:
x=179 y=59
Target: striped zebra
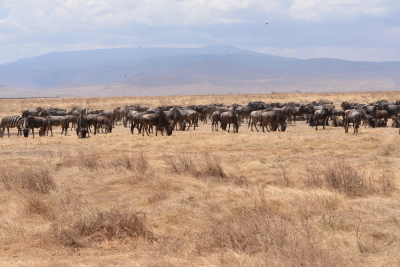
x=12 y=122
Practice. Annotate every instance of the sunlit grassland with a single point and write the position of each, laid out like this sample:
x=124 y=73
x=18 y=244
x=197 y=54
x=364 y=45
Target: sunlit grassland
x=316 y=198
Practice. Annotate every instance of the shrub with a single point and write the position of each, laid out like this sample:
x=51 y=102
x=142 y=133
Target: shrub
x=85 y=228
x=346 y=179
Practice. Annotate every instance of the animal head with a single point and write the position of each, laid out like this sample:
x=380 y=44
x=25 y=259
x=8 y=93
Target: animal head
x=26 y=132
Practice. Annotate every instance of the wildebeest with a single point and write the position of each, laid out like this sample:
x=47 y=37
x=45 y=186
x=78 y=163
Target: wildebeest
x=26 y=113
x=82 y=125
x=396 y=121
x=157 y=119
x=215 y=119
x=176 y=118
x=243 y=112
x=191 y=117
x=274 y=119
x=228 y=118
x=71 y=119
x=255 y=117
x=297 y=111
x=102 y=122
x=32 y=123
x=311 y=122
x=352 y=116
x=336 y=121
x=380 y=115
x=321 y=114
x=51 y=121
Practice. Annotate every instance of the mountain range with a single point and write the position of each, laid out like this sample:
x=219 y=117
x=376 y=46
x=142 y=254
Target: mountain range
x=170 y=71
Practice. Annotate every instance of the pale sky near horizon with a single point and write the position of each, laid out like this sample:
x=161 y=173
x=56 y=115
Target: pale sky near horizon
x=364 y=30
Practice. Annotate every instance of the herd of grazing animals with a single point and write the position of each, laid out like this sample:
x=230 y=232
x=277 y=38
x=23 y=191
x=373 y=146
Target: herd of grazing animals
x=270 y=116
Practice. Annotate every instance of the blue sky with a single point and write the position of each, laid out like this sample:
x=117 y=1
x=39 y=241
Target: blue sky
x=366 y=30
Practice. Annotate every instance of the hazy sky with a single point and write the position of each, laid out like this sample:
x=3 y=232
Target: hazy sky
x=367 y=30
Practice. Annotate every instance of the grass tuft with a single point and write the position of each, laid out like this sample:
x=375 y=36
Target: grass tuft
x=34 y=179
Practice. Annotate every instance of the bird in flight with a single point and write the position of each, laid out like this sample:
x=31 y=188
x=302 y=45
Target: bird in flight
x=266 y=23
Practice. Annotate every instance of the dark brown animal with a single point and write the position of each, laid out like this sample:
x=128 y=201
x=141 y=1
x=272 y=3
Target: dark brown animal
x=352 y=116
x=228 y=118
x=157 y=119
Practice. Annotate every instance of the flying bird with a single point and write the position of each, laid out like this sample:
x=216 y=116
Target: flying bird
x=266 y=23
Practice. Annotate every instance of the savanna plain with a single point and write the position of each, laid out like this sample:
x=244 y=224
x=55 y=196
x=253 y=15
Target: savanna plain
x=200 y=198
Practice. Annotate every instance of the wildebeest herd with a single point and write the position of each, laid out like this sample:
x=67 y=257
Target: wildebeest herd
x=165 y=119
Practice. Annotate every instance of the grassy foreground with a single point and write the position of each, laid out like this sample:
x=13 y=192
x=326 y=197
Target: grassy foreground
x=201 y=198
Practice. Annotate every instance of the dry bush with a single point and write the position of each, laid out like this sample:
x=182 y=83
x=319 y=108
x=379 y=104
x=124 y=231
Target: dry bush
x=34 y=179
x=86 y=228
x=346 y=179
x=202 y=167
x=36 y=204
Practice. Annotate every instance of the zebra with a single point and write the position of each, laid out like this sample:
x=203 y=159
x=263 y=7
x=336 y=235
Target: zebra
x=12 y=122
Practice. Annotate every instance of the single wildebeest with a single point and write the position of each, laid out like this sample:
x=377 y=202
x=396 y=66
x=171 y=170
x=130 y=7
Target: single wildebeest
x=369 y=109
x=191 y=117
x=311 y=122
x=56 y=121
x=71 y=119
x=26 y=113
x=321 y=114
x=82 y=125
x=338 y=112
x=157 y=119
x=243 y=112
x=297 y=111
x=391 y=109
x=396 y=121
x=102 y=122
x=33 y=122
x=136 y=122
x=380 y=115
x=228 y=118
x=273 y=119
x=215 y=119
x=352 y=116
x=176 y=118
x=255 y=117
x=129 y=117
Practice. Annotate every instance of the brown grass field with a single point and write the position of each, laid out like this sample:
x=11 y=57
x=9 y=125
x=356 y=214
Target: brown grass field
x=201 y=198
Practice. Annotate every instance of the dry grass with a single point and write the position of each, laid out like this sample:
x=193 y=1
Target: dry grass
x=202 y=198
x=34 y=179
x=202 y=167
x=88 y=227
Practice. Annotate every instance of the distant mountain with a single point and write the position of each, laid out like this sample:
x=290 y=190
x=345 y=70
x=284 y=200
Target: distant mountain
x=223 y=66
